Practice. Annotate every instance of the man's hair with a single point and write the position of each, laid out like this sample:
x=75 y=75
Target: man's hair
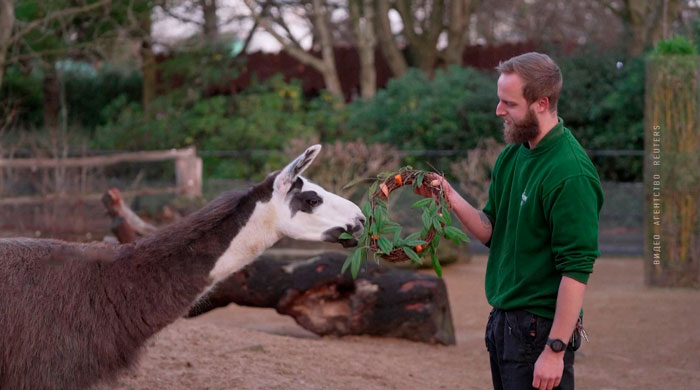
x=541 y=76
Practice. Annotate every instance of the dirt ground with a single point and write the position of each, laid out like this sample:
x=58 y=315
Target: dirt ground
x=640 y=338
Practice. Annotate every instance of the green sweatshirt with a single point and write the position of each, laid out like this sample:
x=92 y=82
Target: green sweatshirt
x=543 y=204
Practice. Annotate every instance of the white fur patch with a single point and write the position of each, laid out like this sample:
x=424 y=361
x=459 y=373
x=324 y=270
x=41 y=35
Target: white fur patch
x=258 y=234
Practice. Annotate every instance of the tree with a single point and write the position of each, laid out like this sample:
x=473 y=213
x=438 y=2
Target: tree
x=646 y=21
x=39 y=26
x=7 y=20
x=362 y=15
x=385 y=38
x=272 y=17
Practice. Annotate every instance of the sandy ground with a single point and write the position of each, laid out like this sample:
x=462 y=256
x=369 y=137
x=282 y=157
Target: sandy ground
x=641 y=338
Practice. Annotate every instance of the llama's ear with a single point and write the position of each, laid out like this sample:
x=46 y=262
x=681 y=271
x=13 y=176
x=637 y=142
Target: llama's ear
x=283 y=182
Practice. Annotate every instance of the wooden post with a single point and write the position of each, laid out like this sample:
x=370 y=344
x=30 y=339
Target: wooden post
x=188 y=173
x=671 y=174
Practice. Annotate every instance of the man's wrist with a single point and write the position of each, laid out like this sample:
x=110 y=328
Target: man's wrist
x=556 y=345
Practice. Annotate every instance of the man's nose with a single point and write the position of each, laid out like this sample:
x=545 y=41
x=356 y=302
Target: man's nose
x=499 y=109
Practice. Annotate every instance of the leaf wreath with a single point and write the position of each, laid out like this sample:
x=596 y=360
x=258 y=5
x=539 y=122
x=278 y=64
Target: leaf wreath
x=382 y=236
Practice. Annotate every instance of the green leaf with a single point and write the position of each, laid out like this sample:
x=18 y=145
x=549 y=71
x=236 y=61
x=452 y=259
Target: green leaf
x=437 y=226
x=415 y=242
x=390 y=228
x=373 y=188
x=419 y=179
x=427 y=222
x=345 y=236
x=453 y=233
x=356 y=264
x=432 y=207
x=436 y=265
x=366 y=210
x=397 y=237
x=381 y=203
x=446 y=213
x=421 y=203
x=384 y=245
x=379 y=220
x=349 y=260
x=412 y=255
x=385 y=175
x=413 y=236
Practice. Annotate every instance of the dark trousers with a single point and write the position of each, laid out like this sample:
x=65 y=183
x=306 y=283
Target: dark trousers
x=515 y=340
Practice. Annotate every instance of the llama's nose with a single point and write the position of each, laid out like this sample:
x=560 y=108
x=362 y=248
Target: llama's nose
x=361 y=220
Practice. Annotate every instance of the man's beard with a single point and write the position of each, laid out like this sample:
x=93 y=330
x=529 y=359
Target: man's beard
x=523 y=131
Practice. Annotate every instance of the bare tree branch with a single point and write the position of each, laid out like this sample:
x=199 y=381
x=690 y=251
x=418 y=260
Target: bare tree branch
x=57 y=16
x=286 y=43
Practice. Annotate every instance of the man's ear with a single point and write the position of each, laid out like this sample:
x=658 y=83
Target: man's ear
x=284 y=181
x=542 y=105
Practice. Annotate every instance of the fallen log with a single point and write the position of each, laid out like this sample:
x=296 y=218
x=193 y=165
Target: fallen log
x=382 y=301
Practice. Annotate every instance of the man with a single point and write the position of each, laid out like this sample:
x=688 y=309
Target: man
x=541 y=225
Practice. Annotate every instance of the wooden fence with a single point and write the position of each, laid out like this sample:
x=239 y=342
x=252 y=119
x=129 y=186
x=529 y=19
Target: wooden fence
x=188 y=174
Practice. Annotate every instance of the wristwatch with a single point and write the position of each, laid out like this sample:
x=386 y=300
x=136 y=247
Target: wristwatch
x=556 y=344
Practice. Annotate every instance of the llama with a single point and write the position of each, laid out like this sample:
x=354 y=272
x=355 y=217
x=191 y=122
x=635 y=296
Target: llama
x=72 y=315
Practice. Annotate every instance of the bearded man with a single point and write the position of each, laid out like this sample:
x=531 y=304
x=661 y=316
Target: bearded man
x=541 y=225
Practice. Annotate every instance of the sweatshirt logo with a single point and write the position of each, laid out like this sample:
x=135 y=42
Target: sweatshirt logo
x=524 y=197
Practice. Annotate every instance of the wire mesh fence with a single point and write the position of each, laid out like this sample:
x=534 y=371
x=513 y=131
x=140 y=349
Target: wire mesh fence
x=621 y=218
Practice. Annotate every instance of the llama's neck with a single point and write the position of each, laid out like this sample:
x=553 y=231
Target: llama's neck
x=160 y=277
x=258 y=234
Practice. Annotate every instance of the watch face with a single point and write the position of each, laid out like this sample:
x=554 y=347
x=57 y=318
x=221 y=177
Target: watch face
x=557 y=345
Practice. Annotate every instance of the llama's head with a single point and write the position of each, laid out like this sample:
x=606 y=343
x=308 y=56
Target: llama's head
x=308 y=212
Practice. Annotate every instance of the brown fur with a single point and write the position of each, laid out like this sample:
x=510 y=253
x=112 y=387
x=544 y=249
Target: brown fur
x=73 y=314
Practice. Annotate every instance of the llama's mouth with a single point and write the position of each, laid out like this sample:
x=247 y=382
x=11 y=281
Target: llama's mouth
x=333 y=235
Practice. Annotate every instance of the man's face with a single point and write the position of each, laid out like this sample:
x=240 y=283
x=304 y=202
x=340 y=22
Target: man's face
x=520 y=124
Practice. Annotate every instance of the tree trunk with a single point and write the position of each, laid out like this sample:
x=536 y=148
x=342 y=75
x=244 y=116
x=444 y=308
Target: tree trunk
x=458 y=29
x=148 y=66
x=672 y=180
x=324 y=65
x=329 y=71
x=422 y=45
x=387 y=43
x=362 y=15
x=7 y=20
x=211 y=21
x=646 y=21
x=51 y=98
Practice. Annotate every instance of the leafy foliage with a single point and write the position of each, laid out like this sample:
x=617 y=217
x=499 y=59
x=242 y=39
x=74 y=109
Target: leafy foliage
x=456 y=108
x=678 y=45
x=382 y=236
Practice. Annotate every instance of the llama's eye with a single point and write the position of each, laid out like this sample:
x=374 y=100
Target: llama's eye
x=312 y=202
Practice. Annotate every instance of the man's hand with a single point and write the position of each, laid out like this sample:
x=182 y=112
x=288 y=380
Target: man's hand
x=437 y=181
x=548 y=369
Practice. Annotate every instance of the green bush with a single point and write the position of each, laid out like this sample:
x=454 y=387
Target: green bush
x=262 y=118
x=679 y=45
x=88 y=93
x=453 y=111
x=602 y=102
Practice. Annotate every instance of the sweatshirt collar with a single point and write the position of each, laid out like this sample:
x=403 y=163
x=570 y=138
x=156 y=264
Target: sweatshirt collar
x=546 y=142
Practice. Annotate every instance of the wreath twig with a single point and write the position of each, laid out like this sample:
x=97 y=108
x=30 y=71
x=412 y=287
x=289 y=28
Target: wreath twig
x=382 y=236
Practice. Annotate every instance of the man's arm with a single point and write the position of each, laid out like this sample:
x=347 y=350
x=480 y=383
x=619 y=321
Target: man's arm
x=476 y=222
x=550 y=365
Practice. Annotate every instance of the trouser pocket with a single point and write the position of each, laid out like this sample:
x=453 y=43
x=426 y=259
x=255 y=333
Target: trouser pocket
x=526 y=336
